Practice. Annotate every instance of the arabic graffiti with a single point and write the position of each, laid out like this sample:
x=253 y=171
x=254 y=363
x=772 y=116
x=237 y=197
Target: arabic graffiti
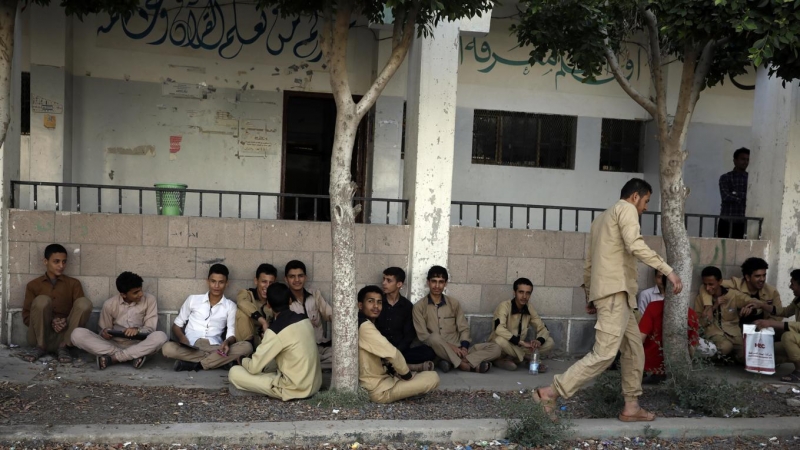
x=559 y=65
x=209 y=25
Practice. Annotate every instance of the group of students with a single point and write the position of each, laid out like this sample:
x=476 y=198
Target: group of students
x=273 y=338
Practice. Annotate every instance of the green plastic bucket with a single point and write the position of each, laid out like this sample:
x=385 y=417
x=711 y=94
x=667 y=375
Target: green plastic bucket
x=170 y=198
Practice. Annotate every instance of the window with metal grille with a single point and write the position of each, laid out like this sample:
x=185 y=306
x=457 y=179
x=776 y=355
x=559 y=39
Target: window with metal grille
x=25 y=107
x=523 y=139
x=620 y=144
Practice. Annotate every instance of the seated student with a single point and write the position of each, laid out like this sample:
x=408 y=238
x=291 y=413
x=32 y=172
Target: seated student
x=132 y=312
x=382 y=370
x=441 y=324
x=397 y=325
x=54 y=307
x=651 y=329
x=653 y=294
x=718 y=310
x=253 y=313
x=312 y=305
x=510 y=328
x=206 y=317
x=753 y=283
x=291 y=344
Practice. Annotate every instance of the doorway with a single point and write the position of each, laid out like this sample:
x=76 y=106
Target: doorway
x=309 y=121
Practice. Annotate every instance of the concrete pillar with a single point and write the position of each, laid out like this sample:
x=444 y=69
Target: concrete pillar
x=51 y=81
x=774 y=182
x=430 y=129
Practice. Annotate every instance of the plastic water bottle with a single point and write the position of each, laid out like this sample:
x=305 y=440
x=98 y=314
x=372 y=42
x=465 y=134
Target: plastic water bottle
x=533 y=369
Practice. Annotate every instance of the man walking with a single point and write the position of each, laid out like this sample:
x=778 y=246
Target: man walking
x=610 y=280
x=733 y=192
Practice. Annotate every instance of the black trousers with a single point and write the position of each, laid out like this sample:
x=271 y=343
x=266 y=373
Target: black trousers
x=418 y=355
x=731 y=229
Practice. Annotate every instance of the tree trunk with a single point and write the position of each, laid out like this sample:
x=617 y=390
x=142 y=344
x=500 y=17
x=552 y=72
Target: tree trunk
x=8 y=13
x=345 y=308
x=676 y=240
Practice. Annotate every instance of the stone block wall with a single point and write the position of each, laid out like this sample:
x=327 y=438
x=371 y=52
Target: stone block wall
x=173 y=255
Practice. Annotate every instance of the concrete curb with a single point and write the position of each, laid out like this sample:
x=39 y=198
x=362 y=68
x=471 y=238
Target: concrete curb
x=371 y=431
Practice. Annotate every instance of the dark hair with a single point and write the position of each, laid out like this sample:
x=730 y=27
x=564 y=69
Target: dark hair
x=54 y=248
x=127 y=281
x=635 y=186
x=362 y=294
x=524 y=281
x=438 y=271
x=219 y=269
x=267 y=269
x=795 y=275
x=663 y=277
x=294 y=264
x=711 y=271
x=396 y=272
x=741 y=150
x=278 y=297
x=750 y=265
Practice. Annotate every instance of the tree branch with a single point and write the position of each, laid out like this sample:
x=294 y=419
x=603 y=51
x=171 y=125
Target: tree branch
x=683 y=109
x=656 y=71
x=637 y=96
x=692 y=83
x=340 y=83
x=399 y=53
x=397 y=29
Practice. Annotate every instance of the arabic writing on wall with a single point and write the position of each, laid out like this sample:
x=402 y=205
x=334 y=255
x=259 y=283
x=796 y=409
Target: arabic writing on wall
x=225 y=28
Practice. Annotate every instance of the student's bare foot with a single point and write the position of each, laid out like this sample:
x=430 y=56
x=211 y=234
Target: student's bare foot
x=547 y=398
x=34 y=355
x=103 y=362
x=139 y=362
x=638 y=414
x=64 y=357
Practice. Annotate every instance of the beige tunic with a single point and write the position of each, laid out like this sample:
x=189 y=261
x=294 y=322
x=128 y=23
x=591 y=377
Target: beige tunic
x=725 y=320
x=767 y=294
x=511 y=325
x=318 y=311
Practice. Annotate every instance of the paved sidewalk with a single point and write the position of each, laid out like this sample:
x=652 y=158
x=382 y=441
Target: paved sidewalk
x=158 y=372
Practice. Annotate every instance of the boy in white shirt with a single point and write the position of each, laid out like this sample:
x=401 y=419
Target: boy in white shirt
x=199 y=326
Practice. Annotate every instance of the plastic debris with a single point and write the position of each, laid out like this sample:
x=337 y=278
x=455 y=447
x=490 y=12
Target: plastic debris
x=496 y=397
x=336 y=411
x=796 y=391
x=180 y=403
x=355 y=446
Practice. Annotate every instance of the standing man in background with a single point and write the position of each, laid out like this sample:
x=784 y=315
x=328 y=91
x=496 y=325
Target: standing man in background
x=733 y=192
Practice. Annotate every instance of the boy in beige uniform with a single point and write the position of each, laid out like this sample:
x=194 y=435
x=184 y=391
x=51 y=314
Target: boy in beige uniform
x=442 y=325
x=253 y=314
x=610 y=276
x=291 y=344
x=313 y=306
x=132 y=312
x=382 y=370
x=510 y=328
x=754 y=284
x=717 y=309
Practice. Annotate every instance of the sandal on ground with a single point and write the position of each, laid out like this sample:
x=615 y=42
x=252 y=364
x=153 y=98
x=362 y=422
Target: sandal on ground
x=139 y=362
x=428 y=366
x=641 y=416
x=34 y=354
x=64 y=357
x=549 y=405
x=103 y=362
x=483 y=367
x=793 y=377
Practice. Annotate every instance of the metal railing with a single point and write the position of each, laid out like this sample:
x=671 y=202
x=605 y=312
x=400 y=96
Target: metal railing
x=569 y=218
x=99 y=198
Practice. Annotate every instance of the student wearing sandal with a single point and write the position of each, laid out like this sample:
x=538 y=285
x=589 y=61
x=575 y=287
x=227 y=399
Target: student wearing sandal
x=441 y=324
x=610 y=280
x=54 y=307
x=382 y=370
x=131 y=313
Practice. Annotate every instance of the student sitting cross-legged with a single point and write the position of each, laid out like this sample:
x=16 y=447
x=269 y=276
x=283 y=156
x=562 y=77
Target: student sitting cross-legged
x=291 y=343
x=132 y=313
x=205 y=318
x=382 y=370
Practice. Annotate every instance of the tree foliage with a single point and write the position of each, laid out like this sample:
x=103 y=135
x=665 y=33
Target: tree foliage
x=80 y=8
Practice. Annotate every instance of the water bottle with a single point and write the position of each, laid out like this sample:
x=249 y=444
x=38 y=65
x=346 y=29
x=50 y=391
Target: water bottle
x=533 y=369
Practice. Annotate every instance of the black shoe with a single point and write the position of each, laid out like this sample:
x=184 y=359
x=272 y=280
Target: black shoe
x=654 y=379
x=445 y=366
x=185 y=366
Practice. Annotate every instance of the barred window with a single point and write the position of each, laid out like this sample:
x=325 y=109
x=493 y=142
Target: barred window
x=522 y=139
x=621 y=142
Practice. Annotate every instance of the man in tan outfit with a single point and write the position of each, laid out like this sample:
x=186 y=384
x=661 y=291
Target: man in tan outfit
x=382 y=370
x=313 y=305
x=253 y=314
x=442 y=325
x=54 y=307
x=131 y=312
x=610 y=274
x=510 y=328
x=717 y=309
x=291 y=344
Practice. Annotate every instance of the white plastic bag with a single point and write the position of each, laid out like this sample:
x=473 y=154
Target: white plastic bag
x=759 y=350
x=706 y=348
